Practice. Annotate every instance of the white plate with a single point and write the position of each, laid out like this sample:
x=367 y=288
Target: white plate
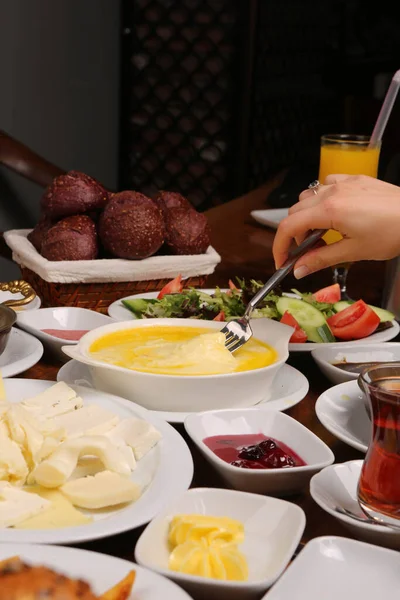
x=157 y=472
x=33 y=305
x=289 y=388
x=21 y=353
x=271 y=217
x=341 y=410
x=99 y=570
x=332 y=568
x=336 y=485
x=117 y=311
x=272 y=531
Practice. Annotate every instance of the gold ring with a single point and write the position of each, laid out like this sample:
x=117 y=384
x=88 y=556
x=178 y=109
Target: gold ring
x=314 y=186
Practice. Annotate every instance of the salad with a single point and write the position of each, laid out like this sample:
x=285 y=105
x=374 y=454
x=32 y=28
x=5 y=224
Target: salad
x=317 y=317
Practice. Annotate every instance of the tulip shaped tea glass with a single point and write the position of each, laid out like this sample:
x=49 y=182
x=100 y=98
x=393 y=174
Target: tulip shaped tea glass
x=379 y=484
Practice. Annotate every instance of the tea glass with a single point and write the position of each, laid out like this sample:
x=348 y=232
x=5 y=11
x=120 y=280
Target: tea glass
x=379 y=484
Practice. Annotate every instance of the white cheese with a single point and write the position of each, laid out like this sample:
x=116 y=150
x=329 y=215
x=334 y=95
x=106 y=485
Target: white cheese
x=89 y=420
x=101 y=490
x=56 y=400
x=136 y=433
x=12 y=462
x=17 y=505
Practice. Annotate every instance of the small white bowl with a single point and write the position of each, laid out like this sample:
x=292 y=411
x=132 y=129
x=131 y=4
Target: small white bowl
x=337 y=486
x=324 y=356
x=63 y=318
x=273 y=529
x=176 y=393
x=273 y=424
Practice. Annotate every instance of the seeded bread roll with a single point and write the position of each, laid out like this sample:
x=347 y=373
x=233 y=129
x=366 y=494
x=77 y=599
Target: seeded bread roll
x=39 y=231
x=166 y=200
x=71 y=194
x=73 y=238
x=186 y=231
x=131 y=226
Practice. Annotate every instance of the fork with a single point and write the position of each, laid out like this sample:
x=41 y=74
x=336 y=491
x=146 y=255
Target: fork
x=238 y=332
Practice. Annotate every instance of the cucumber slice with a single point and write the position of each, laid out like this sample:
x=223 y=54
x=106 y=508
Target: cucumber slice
x=384 y=315
x=138 y=306
x=310 y=319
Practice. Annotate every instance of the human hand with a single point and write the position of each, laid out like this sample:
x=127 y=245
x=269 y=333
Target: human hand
x=365 y=210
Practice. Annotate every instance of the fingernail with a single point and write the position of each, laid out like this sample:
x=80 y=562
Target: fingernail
x=301 y=272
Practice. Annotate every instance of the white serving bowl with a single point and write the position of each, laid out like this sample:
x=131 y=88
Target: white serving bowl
x=273 y=424
x=336 y=485
x=185 y=393
x=64 y=318
x=273 y=529
x=324 y=356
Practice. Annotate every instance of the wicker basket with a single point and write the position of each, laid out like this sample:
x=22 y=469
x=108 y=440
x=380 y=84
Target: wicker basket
x=95 y=296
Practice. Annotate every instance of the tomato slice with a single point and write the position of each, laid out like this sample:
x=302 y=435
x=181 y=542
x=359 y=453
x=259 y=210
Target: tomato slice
x=355 y=322
x=330 y=294
x=220 y=316
x=299 y=336
x=175 y=286
x=232 y=286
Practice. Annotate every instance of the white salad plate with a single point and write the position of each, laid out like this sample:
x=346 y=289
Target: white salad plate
x=332 y=568
x=336 y=486
x=32 y=305
x=289 y=387
x=342 y=411
x=117 y=311
x=270 y=217
x=163 y=473
x=272 y=532
x=100 y=571
x=21 y=353
x=60 y=318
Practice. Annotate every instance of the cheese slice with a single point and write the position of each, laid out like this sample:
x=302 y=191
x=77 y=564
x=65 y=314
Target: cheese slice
x=12 y=462
x=3 y=397
x=89 y=420
x=56 y=400
x=17 y=505
x=140 y=435
x=101 y=491
x=60 y=514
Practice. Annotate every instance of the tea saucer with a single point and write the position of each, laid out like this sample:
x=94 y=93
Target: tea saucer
x=336 y=485
x=289 y=388
x=21 y=353
x=341 y=409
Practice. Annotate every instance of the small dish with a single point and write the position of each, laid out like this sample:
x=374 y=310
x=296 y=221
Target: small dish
x=191 y=393
x=333 y=567
x=342 y=411
x=270 y=217
x=273 y=424
x=7 y=320
x=336 y=485
x=326 y=356
x=273 y=529
x=62 y=319
x=21 y=353
x=289 y=387
x=8 y=295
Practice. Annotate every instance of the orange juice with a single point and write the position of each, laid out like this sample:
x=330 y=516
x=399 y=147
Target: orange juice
x=348 y=155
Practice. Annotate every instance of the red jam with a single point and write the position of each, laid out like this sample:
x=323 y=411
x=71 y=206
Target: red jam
x=253 y=451
x=66 y=334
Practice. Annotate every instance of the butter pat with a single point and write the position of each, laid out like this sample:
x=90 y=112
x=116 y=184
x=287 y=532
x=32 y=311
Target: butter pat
x=89 y=420
x=137 y=434
x=17 y=505
x=61 y=512
x=56 y=400
x=101 y=491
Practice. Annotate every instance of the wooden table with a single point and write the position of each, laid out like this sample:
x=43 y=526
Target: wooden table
x=245 y=248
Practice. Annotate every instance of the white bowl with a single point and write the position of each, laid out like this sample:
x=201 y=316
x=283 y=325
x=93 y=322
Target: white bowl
x=189 y=393
x=325 y=356
x=273 y=529
x=335 y=568
x=271 y=423
x=337 y=486
x=64 y=318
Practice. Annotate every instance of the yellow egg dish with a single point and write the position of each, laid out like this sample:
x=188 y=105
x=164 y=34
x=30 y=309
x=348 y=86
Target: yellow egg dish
x=171 y=350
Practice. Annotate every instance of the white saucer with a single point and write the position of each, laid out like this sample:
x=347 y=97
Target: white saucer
x=289 y=388
x=270 y=218
x=21 y=353
x=33 y=305
x=341 y=410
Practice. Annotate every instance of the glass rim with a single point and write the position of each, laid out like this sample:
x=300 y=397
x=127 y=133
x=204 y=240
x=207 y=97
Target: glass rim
x=374 y=386
x=348 y=138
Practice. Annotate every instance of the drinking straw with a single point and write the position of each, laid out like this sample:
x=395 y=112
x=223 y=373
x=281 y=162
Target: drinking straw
x=385 y=111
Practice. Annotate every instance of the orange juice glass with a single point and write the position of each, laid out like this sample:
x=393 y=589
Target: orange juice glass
x=349 y=155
